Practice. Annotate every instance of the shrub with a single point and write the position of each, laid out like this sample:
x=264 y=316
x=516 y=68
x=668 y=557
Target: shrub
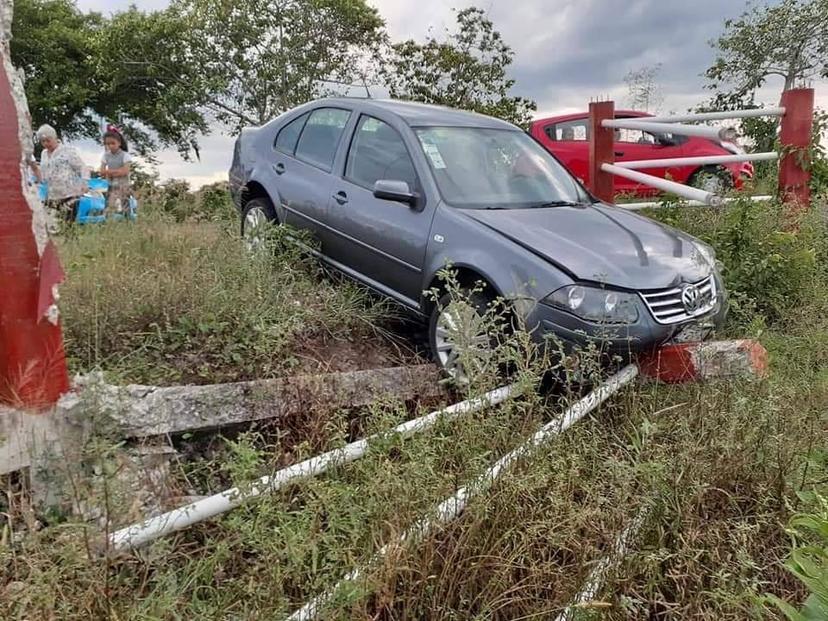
x=173 y=199
x=768 y=267
x=809 y=561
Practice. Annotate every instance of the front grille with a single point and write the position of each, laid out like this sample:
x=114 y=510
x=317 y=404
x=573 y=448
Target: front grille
x=667 y=307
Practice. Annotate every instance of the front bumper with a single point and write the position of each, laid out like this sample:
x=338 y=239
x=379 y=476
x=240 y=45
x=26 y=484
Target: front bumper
x=564 y=332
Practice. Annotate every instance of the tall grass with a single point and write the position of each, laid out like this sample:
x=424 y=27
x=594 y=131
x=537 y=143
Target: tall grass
x=160 y=302
x=720 y=465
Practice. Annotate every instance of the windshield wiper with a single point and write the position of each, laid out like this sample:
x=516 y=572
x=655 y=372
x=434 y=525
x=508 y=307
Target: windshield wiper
x=538 y=205
x=558 y=204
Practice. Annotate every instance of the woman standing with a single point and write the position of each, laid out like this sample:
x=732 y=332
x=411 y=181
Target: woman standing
x=64 y=172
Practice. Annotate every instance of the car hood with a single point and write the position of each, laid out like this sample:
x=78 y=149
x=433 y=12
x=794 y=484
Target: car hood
x=602 y=243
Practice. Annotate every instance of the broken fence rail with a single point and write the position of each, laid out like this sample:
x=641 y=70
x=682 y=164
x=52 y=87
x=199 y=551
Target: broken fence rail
x=453 y=506
x=183 y=517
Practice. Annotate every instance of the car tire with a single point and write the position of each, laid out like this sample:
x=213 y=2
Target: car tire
x=472 y=307
x=712 y=179
x=257 y=213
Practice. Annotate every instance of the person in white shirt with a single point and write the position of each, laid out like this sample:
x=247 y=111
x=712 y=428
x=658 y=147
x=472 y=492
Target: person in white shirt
x=64 y=172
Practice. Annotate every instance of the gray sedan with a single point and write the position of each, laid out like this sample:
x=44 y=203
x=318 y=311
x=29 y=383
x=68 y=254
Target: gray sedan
x=395 y=191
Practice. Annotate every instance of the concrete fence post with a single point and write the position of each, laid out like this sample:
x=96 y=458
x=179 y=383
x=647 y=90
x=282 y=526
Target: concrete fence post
x=795 y=138
x=601 y=150
x=32 y=366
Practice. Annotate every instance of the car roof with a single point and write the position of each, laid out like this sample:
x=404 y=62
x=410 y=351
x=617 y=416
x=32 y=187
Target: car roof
x=418 y=114
x=584 y=115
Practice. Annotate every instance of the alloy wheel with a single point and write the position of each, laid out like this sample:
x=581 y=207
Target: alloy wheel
x=462 y=343
x=255 y=221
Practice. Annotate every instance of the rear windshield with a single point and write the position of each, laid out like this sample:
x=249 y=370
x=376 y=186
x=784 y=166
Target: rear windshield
x=477 y=168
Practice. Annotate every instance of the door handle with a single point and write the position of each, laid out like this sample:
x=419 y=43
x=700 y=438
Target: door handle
x=279 y=168
x=619 y=153
x=341 y=198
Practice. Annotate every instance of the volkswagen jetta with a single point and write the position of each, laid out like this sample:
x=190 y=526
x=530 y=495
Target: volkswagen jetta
x=395 y=191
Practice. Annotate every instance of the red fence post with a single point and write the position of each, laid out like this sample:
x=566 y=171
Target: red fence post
x=32 y=364
x=601 y=150
x=795 y=136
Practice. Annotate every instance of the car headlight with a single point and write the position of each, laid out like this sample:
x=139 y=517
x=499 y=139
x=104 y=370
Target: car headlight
x=596 y=305
x=709 y=255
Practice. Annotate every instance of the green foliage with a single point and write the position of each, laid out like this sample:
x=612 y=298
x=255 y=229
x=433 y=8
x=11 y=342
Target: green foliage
x=809 y=561
x=251 y=60
x=788 y=40
x=163 y=75
x=80 y=67
x=214 y=203
x=768 y=269
x=164 y=303
x=134 y=93
x=468 y=70
x=819 y=156
x=52 y=42
x=174 y=200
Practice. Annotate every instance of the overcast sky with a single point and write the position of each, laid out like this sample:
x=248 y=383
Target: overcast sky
x=566 y=52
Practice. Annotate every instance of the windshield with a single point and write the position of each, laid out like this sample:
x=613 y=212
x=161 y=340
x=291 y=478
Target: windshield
x=496 y=169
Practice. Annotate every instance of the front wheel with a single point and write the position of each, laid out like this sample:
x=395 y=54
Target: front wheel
x=462 y=334
x=257 y=216
x=712 y=179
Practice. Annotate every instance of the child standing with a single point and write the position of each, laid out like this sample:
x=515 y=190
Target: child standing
x=115 y=168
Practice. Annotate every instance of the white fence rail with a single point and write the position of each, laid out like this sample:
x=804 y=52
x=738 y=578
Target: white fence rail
x=453 y=506
x=724 y=115
x=178 y=519
x=686 y=203
x=677 y=124
x=665 y=185
x=723 y=134
x=673 y=162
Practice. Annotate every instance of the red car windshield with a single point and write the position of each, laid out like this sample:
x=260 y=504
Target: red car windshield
x=479 y=168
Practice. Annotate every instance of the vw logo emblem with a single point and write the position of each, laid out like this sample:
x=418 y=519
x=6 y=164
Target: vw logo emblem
x=691 y=298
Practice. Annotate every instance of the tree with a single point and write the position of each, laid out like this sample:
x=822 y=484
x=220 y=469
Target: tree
x=645 y=94
x=52 y=43
x=788 y=41
x=150 y=104
x=467 y=70
x=249 y=60
x=81 y=68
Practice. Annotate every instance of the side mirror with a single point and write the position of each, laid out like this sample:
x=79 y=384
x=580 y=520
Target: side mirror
x=397 y=191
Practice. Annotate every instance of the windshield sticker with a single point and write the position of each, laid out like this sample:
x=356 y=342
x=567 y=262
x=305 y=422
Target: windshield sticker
x=433 y=154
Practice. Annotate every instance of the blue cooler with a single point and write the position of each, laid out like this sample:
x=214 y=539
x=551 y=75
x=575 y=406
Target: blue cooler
x=92 y=205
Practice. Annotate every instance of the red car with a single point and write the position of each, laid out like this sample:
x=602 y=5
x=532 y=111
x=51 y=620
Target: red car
x=567 y=138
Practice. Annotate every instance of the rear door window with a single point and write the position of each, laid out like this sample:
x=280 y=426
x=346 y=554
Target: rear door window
x=378 y=152
x=288 y=136
x=634 y=136
x=568 y=131
x=321 y=135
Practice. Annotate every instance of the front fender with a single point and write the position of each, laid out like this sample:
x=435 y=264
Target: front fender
x=515 y=273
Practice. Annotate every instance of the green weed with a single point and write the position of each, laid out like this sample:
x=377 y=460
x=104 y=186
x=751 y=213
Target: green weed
x=164 y=303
